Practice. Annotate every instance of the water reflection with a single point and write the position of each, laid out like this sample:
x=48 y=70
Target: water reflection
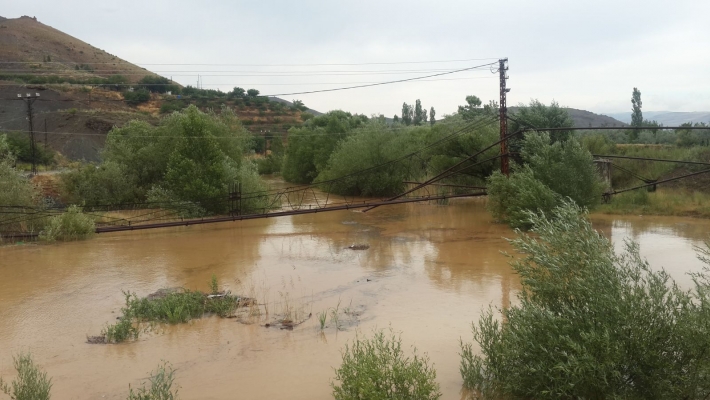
x=666 y=242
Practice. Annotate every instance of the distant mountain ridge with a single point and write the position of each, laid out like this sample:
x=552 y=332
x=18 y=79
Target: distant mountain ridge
x=667 y=118
x=586 y=119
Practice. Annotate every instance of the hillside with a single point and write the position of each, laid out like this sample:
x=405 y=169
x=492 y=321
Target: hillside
x=668 y=118
x=585 y=119
x=39 y=49
x=77 y=107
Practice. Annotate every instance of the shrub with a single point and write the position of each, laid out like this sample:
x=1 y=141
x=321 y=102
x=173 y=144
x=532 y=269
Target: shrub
x=172 y=106
x=590 y=323
x=270 y=164
x=565 y=167
x=156 y=84
x=372 y=145
x=31 y=382
x=18 y=196
x=377 y=368
x=106 y=184
x=120 y=331
x=70 y=225
x=510 y=198
x=136 y=97
x=161 y=385
x=21 y=148
x=310 y=146
x=188 y=161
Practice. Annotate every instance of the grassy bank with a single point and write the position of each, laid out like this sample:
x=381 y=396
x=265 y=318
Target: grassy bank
x=684 y=203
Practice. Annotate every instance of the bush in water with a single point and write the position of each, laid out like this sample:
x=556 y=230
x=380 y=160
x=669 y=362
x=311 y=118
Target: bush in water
x=511 y=197
x=590 y=323
x=70 y=225
x=566 y=167
x=31 y=382
x=161 y=385
x=551 y=172
x=377 y=368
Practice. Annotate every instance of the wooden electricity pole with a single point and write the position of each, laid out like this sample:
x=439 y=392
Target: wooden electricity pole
x=504 y=161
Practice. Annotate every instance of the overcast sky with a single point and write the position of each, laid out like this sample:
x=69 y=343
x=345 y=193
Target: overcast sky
x=582 y=54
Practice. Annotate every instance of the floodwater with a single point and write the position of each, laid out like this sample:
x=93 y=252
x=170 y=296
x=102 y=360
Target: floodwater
x=428 y=273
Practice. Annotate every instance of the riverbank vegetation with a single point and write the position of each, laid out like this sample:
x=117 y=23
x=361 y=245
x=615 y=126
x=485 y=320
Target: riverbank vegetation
x=378 y=368
x=31 y=383
x=675 y=202
x=186 y=163
x=590 y=323
x=551 y=173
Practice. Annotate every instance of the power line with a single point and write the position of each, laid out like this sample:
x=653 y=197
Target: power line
x=202 y=72
x=382 y=83
x=258 y=65
x=232 y=83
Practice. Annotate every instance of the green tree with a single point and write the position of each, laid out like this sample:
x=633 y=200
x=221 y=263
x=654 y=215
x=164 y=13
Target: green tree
x=419 y=113
x=395 y=119
x=472 y=109
x=407 y=114
x=237 y=92
x=636 y=114
x=565 y=167
x=432 y=114
x=156 y=84
x=511 y=198
x=310 y=146
x=538 y=115
x=252 y=92
x=299 y=105
x=196 y=170
x=190 y=156
x=371 y=145
x=136 y=97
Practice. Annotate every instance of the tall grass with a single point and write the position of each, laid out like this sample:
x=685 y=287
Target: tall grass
x=171 y=307
x=31 y=383
x=161 y=385
x=662 y=202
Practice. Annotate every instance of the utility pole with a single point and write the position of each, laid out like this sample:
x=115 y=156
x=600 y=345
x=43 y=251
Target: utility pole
x=29 y=99
x=504 y=161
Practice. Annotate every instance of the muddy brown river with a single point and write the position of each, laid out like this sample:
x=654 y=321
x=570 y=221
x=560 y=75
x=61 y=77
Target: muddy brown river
x=428 y=272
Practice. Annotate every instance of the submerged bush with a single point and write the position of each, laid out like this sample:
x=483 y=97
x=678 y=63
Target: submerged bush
x=161 y=385
x=566 y=167
x=167 y=306
x=510 y=198
x=590 y=323
x=377 y=368
x=551 y=172
x=70 y=225
x=31 y=382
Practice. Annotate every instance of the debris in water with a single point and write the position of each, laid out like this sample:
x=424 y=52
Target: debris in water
x=359 y=246
x=96 y=339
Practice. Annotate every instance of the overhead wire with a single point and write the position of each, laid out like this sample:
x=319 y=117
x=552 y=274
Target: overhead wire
x=261 y=65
